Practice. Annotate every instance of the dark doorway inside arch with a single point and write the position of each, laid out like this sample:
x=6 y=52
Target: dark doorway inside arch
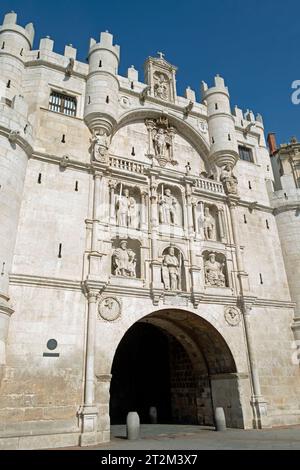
x=152 y=368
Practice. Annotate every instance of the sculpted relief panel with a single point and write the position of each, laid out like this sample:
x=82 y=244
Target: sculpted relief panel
x=214 y=269
x=124 y=261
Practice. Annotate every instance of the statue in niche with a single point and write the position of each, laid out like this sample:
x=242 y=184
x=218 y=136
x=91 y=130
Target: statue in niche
x=161 y=143
x=124 y=261
x=100 y=145
x=167 y=208
x=125 y=209
x=228 y=179
x=209 y=225
x=171 y=271
x=161 y=86
x=214 y=272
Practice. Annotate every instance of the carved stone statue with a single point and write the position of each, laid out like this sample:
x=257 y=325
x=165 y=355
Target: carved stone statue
x=124 y=261
x=228 y=179
x=213 y=270
x=161 y=87
x=126 y=210
x=209 y=225
x=171 y=271
x=161 y=142
x=167 y=208
x=100 y=145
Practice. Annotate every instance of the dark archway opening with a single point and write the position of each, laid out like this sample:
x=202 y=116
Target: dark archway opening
x=151 y=368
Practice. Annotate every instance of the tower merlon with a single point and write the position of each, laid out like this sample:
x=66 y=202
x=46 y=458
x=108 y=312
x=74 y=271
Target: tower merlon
x=46 y=44
x=70 y=52
x=10 y=18
x=190 y=94
x=133 y=74
x=249 y=116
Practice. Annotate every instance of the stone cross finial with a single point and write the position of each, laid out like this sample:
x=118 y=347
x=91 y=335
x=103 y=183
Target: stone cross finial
x=161 y=54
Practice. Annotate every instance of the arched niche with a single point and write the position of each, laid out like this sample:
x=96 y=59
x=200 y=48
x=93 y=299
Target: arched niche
x=131 y=140
x=126 y=265
x=127 y=205
x=215 y=269
x=170 y=205
x=207 y=220
x=173 y=267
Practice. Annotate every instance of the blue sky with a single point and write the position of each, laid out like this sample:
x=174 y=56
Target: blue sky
x=254 y=45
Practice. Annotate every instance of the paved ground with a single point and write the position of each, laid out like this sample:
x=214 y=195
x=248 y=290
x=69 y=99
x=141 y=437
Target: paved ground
x=170 y=437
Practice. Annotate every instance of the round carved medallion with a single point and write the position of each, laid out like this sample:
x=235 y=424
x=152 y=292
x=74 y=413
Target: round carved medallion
x=232 y=316
x=109 y=308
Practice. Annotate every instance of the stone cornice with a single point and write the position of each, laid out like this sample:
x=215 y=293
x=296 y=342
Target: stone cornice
x=137 y=292
x=52 y=65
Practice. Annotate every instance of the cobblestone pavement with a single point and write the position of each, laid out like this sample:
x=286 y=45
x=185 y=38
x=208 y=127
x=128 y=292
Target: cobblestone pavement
x=171 y=437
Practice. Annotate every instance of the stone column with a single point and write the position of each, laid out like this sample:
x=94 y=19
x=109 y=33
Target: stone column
x=143 y=213
x=258 y=402
x=112 y=186
x=156 y=287
x=154 y=217
x=221 y=224
x=89 y=412
x=96 y=204
x=190 y=222
x=94 y=255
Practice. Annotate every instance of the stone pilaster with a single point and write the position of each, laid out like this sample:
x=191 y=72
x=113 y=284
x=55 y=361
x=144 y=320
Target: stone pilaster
x=89 y=411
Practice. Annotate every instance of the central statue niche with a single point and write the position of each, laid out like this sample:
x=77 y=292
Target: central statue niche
x=172 y=270
x=126 y=260
x=160 y=141
x=169 y=206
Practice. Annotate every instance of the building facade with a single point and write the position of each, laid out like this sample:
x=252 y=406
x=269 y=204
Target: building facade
x=146 y=261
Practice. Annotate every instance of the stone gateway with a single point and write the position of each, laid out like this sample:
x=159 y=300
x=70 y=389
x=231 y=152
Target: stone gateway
x=149 y=250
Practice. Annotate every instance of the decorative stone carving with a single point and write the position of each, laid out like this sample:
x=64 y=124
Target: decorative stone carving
x=124 y=102
x=209 y=225
x=160 y=141
x=109 y=308
x=214 y=272
x=161 y=86
x=64 y=162
x=126 y=209
x=203 y=126
x=170 y=270
x=160 y=76
x=100 y=144
x=70 y=67
x=13 y=136
x=232 y=316
x=124 y=261
x=167 y=208
x=228 y=179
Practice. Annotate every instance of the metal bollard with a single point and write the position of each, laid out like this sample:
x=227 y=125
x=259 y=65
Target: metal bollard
x=153 y=414
x=220 y=419
x=133 y=426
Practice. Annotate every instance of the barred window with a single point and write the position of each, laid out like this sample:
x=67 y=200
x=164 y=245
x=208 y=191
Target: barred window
x=61 y=103
x=245 y=153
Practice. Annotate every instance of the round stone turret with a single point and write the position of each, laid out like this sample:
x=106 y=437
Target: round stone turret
x=15 y=41
x=223 y=145
x=102 y=88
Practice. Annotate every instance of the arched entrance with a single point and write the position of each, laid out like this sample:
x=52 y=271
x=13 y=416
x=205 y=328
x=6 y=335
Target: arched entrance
x=179 y=363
